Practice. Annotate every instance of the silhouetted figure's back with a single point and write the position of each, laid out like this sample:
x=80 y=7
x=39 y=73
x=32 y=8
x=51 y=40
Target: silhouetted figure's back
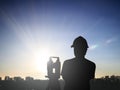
x=78 y=72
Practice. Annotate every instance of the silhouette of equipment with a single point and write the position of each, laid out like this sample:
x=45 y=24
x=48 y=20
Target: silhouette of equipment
x=53 y=73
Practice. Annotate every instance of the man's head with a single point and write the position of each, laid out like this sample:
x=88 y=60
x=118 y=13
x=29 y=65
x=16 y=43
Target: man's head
x=80 y=46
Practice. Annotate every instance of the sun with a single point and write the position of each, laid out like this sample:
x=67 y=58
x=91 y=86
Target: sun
x=42 y=57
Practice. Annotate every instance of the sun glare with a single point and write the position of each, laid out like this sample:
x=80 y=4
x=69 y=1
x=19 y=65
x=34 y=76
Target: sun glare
x=42 y=56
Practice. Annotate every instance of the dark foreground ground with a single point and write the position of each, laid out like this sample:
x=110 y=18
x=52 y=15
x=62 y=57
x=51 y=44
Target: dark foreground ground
x=97 y=84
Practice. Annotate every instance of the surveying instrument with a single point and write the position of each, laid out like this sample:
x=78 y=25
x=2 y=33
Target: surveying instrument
x=53 y=73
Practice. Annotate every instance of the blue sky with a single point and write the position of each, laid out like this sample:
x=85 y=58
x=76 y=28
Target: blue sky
x=31 y=28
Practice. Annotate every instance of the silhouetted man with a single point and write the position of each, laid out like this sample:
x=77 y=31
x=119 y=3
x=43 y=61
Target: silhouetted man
x=78 y=72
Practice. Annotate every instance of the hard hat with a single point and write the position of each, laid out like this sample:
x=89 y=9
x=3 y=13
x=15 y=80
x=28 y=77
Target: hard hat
x=80 y=42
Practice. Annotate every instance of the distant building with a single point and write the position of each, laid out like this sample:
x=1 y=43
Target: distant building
x=29 y=78
x=7 y=78
x=18 y=79
x=106 y=77
x=118 y=77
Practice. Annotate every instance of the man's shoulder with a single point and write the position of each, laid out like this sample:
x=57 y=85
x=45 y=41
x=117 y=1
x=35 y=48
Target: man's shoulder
x=90 y=62
x=69 y=60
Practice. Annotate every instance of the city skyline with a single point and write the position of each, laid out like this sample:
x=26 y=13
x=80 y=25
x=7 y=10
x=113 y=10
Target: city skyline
x=109 y=83
x=33 y=30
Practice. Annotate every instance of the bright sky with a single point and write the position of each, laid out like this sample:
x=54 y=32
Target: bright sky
x=33 y=30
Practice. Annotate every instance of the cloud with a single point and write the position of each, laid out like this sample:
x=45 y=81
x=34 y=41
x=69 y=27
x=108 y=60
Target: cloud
x=107 y=42
x=92 y=47
x=111 y=40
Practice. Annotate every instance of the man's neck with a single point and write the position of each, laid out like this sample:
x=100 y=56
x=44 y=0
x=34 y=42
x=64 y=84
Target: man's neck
x=80 y=58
